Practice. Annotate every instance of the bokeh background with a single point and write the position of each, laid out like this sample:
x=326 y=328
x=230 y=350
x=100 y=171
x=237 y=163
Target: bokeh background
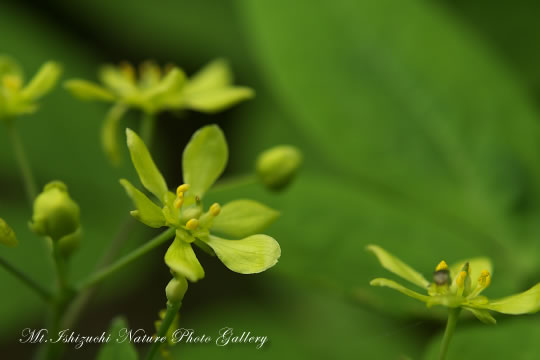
x=419 y=124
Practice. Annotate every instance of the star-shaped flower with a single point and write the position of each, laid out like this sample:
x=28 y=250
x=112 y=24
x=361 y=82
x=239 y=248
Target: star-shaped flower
x=16 y=99
x=155 y=90
x=457 y=286
x=204 y=159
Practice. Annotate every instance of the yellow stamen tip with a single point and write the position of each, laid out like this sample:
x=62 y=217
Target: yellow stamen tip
x=192 y=224
x=182 y=189
x=128 y=70
x=485 y=278
x=460 y=280
x=178 y=202
x=215 y=209
x=442 y=266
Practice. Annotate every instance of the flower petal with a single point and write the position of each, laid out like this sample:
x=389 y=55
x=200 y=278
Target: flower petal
x=250 y=255
x=219 y=99
x=7 y=235
x=216 y=74
x=86 y=90
x=398 y=267
x=170 y=84
x=402 y=289
x=242 y=218
x=43 y=81
x=526 y=302
x=204 y=159
x=117 y=81
x=181 y=258
x=147 y=212
x=482 y=315
x=149 y=174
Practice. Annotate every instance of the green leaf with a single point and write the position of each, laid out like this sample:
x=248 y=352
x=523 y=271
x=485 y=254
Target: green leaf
x=526 y=302
x=43 y=81
x=149 y=174
x=204 y=159
x=241 y=218
x=250 y=255
x=398 y=267
x=109 y=132
x=216 y=74
x=482 y=315
x=182 y=260
x=86 y=90
x=147 y=211
x=7 y=235
x=219 y=99
x=114 y=350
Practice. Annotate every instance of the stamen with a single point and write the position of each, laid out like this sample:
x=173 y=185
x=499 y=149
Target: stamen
x=127 y=70
x=485 y=279
x=442 y=266
x=215 y=209
x=192 y=224
x=179 y=202
x=182 y=189
x=460 y=280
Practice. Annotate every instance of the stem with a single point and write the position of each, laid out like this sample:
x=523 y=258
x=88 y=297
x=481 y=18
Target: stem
x=148 y=124
x=453 y=315
x=41 y=291
x=233 y=182
x=172 y=310
x=24 y=165
x=127 y=259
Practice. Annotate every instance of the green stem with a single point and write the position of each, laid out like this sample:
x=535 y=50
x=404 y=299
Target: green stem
x=25 y=279
x=148 y=124
x=172 y=310
x=22 y=160
x=233 y=182
x=127 y=259
x=453 y=315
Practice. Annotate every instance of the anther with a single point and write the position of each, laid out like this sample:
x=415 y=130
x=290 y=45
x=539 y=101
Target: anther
x=215 y=209
x=192 y=224
x=442 y=266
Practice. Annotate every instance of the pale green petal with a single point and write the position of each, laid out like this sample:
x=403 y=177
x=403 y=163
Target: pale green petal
x=527 y=302
x=251 y=255
x=43 y=81
x=219 y=99
x=402 y=289
x=242 y=218
x=7 y=235
x=216 y=74
x=398 y=267
x=149 y=174
x=482 y=315
x=170 y=84
x=109 y=132
x=476 y=265
x=182 y=260
x=204 y=159
x=147 y=211
x=86 y=90
x=115 y=80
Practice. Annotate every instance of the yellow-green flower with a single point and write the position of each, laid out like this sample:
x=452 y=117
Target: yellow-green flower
x=17 y=98
x=154 y=90
x=204 y=160
x=457 y=286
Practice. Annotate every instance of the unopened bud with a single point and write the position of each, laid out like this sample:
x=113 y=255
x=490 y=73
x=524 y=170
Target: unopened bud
x=176 y=289
x=276 y=167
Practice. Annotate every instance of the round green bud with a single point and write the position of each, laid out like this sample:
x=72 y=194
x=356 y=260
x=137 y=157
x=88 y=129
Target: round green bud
x=276 y=167
x=176 y=289
x=55 y=213
x=7 y=235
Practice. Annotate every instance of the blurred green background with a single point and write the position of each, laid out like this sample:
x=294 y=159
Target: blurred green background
x=419 y=124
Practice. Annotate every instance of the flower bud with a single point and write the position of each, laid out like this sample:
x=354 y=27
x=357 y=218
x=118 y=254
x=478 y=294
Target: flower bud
x=176 y=289
x=55 y=213
x=7 y=235
x=277 y=166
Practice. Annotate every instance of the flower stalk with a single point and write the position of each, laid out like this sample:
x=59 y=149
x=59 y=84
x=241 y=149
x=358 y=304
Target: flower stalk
x=453 y=315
